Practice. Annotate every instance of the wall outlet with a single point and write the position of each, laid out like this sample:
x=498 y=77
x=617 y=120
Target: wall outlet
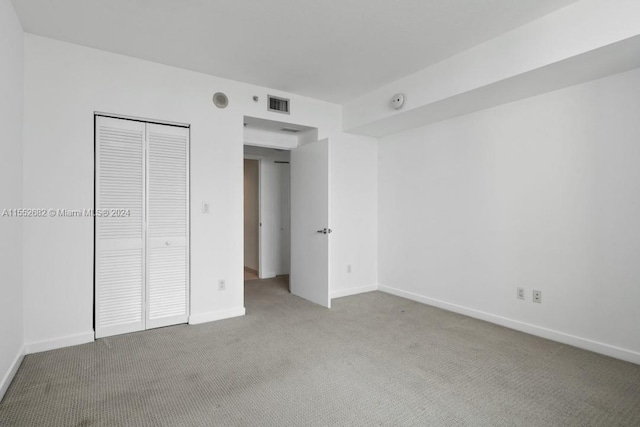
x=520 y=293
x=205 y=207
x=348 y=268
x=537 y=296
x=222 y=285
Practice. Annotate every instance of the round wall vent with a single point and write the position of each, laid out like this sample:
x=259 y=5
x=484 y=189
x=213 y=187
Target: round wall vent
x=220 y=100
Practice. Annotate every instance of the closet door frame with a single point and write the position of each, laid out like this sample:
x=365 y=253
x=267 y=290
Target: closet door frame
x=145 y=303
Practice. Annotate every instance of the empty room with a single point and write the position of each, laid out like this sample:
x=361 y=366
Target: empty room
x=298 y=213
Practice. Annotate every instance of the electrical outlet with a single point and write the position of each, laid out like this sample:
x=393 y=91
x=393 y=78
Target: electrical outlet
x=537 y=296
x=222 y=285
x=348 y=268
x=520 y=293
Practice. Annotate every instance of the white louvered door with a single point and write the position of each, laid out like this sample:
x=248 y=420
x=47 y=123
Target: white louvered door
x=141 y=259
x=168 y=225
x=119 y=252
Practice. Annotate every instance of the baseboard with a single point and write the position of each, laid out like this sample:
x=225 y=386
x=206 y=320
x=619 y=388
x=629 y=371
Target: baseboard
x=52 y=344
x=353 y=291
x=8 y=377
x=268 y=275
x=212 y=316
x=553 y=335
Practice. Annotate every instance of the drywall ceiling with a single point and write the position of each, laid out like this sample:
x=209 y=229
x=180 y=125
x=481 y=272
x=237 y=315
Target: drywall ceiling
x=330 y=50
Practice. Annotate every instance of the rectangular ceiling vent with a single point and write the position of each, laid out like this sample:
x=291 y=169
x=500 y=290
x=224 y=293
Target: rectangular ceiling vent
x=279 y=105
x=290 y=130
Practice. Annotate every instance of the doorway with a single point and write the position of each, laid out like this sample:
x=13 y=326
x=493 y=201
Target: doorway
x=293 y=187
x=266 y=213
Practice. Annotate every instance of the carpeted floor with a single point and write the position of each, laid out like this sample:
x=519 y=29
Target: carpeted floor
x=250 y=274
x=373 y=359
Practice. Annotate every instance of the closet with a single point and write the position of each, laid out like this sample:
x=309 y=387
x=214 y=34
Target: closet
x=141 y=225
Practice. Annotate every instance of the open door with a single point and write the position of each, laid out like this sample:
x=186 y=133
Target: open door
x=310 y=230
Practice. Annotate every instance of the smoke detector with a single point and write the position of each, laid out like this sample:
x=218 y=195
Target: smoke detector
x=397 y=101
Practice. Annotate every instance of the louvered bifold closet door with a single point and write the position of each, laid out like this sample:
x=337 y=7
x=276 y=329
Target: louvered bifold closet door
x=119 y=240
x=168 y=225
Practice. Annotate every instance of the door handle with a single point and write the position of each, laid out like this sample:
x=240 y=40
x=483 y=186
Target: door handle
x=324 y=231
x=168 y=243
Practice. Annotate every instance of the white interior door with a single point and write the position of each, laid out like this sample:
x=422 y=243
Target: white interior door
x=119 y=240
x=167 y=290
x=310 y=230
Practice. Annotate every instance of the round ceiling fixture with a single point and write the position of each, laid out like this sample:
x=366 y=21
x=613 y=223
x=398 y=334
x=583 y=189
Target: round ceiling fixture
x=220 y=100
x=397 y=101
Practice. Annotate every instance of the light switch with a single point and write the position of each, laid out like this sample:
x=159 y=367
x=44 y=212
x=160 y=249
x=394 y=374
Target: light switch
x=205 y=207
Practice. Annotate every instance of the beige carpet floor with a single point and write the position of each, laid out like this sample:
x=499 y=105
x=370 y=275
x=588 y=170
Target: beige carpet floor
x=250 y=274
x=373 y=359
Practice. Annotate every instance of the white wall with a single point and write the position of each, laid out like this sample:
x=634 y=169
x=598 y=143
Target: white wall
x=64 y=85
x=542 y=193
x=266 y=138
x=353 y=214
x=11 y=98
x=251 y=213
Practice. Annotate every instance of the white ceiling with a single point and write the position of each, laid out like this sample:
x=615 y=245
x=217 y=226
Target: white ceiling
x=330 y=50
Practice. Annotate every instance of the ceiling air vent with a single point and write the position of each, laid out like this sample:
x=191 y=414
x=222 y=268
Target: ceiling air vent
x=290 y=130
x=279 y=105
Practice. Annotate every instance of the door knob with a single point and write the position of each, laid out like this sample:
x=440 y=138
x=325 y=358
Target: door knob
x=168 y=243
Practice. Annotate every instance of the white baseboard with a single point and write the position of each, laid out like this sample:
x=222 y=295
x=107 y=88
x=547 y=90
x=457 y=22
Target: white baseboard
x=575 y=341
x=353 y=291
x=55 y=343
x=8 y=377
x=268 y=275
x=212 y=316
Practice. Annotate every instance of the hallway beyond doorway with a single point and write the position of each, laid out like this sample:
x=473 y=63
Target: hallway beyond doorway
x=250 y=274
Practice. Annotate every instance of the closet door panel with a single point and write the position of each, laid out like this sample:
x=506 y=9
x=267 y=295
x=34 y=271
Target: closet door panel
x=168 y=225
x=119 y=240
